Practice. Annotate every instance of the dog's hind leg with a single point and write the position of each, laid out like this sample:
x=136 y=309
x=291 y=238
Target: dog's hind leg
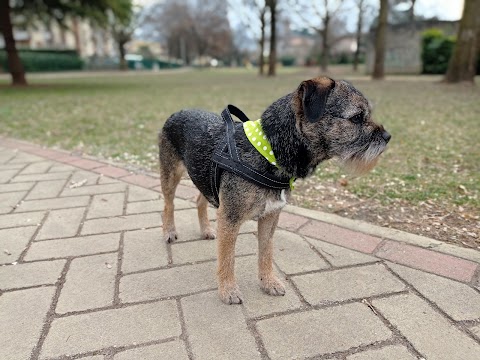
x=171 y=171
x=202 y=206
x=268 y=281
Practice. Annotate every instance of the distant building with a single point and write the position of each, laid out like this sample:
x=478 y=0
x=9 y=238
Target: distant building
x=404 y=45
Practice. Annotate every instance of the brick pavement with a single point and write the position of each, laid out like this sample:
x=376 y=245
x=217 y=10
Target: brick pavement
x=84 y=274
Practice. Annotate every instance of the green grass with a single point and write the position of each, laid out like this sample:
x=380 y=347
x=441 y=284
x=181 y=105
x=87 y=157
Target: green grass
x=434 y=153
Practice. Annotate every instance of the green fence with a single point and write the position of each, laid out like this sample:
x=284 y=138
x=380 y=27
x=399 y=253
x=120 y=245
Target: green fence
x=45 y=60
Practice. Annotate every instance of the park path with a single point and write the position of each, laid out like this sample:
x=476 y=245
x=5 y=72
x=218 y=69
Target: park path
x=84 y=274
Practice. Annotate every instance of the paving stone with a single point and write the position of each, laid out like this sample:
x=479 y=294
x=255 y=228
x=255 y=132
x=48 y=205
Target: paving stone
x=458 y=300
x=61 y=168
x=6 y=188
x=14 y=240
x=25 y=158
x=293 y=255
x=323 y=331
x=344 y=284
x=156 y=205
x=392 y=352
x=94 y=189
x=172 y=350
x=430 y=333
x=106 y=205
x=6 y=175
x=427 y=260
x=46 y=189
x=291 y=222
x=11 y=166
x=137 y=193
x=14 y=220
x=86 y=164
x=106 y=180
x=118 y=327
x=207 y=249
x=187 y=192
x=187 y=224
x=111 y=171
x=22 y=314
x=169 y=282
x=77 y=246
x=340 y=236
x=476 y=330
x=142 y=180
x=90 y=283
x=217 y=331
x=37 y=168
x=52 y=204
x=41 y=177
x=144 y=249
x=61 y=223
x=248 y=227
x=82 y=175
x=6 y=156
x=8 y=201
x=125 y=222
x=256 y=302
x=30 y=274
x=340 y=256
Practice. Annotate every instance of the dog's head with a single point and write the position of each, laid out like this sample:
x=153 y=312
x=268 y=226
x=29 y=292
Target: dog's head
x=336 y=120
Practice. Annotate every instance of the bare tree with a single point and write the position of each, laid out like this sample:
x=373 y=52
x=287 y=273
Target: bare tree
x=272 y=57
x=326 y=14
x=380 y=40
x=462 y=65
x=361 y=11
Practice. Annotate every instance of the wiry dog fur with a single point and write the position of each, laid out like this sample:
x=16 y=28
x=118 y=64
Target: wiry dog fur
x=320 y=120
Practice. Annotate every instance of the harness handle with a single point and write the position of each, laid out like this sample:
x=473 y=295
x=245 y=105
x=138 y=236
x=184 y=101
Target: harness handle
x=227 y=117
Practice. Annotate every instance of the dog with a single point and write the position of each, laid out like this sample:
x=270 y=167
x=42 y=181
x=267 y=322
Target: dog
x=322 y=119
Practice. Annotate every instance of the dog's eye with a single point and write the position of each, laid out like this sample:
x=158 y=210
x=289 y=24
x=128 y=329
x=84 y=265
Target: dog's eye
x=357 y=119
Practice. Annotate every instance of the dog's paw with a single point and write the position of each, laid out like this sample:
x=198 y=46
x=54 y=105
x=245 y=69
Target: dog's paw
x=170 y=236
x=230 y=295
x=209 y=233
x=272 y=286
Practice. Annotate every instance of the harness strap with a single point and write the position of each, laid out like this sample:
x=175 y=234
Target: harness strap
x=226 y=158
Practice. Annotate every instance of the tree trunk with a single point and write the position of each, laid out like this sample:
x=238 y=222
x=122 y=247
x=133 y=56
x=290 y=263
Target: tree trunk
x=15 y=66
x=356 y=57
x=261 y=60
x=121 y=51
x=380 y=40
x=462 y=65
x=272 y=60
x=325 y=45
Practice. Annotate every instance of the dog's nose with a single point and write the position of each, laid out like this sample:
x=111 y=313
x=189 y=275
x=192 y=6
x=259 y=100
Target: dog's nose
x=386 y=136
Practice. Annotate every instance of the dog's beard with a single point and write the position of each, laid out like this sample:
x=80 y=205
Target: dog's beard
x=361 y=160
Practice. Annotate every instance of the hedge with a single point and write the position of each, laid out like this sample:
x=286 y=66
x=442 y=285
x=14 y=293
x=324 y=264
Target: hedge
x=45 y=60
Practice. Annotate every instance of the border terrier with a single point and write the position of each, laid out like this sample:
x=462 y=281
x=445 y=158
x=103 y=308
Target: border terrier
x=322 y=119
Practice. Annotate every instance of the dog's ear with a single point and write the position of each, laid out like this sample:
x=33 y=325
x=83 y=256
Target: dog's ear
x=315 y=95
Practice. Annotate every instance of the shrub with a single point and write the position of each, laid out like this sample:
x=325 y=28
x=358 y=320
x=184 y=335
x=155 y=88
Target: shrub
x=45 y=60
x=287 y=60
x=436 y=51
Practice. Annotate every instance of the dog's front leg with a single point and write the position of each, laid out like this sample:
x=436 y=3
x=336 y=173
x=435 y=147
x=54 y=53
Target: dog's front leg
x=268 y=281
x=227 y=232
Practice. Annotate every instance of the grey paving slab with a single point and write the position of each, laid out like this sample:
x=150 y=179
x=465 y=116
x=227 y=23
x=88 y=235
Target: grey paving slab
x=256 y=302
x=340 y=256
x=57 y=167
x=156 y=284
x=94 y=189
x=227 y=336
x=344 y=284
x=37 y=168
x=52 y=204
x=187 y=224
x=13 y=242
x=46 y=189
x=294 y=255
x=6 y=188
x=106 y=205
x=90 y=283
x=117 y=327
x=76 y=246
x=430 y=333
x=30 y=274
x=458 y=300
x=125 y=222
x=137 y=193
x=172 y=350
x=22 y=314
x=9 y=201
x=83 y=176
x=476 y=330
x=392 y=352
x=6 y=175
x=4 y=166
x=61 y=223
x=41 y=177
x=156 y=205
x=22 y=157
x=16 y=220
x=325 y=331
x=207 y=249
x=144 y=249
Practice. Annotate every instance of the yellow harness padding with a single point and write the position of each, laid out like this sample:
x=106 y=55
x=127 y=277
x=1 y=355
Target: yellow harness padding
x=256 y=136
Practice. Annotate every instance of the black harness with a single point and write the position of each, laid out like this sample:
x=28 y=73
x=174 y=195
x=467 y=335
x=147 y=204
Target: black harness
x=226 y=158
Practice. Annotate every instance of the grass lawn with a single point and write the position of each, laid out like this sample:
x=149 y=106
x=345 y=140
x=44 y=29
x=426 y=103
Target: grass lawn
x=428 y=181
